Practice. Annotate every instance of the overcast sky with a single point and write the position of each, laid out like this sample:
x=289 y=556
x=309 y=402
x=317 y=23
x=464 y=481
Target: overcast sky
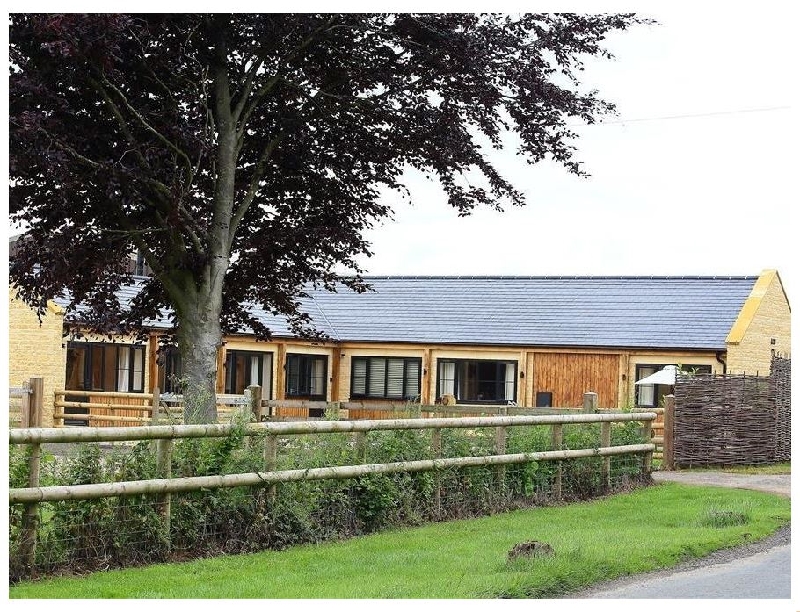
x=696 y=176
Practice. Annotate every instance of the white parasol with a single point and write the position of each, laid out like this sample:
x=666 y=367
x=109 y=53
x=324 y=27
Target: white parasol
x=665 y=376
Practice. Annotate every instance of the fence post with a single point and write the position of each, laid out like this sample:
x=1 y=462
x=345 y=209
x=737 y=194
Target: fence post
x=155 y=415
x=57 y=395
x=436 y=449
x=605 y=441
x=30 y=516
x=271 y=462
x=32 y=417
x=164 y=470
x=669 y=432
x=255 y=401
x=360 y=445
x=590 y=401
x=33 y=409
x=647 y=459
x=557 y=441
x=25 y=407
x=500 y=439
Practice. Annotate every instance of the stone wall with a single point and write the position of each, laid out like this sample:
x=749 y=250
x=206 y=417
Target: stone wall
x=763 y=328
x=35 y=349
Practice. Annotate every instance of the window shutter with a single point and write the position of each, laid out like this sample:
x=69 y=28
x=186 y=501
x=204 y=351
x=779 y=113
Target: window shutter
x=394 y=382
x=359 y=377
x=377 y=377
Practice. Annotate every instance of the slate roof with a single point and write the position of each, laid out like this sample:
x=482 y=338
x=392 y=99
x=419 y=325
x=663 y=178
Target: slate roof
x=619 y=312
x=600 y=311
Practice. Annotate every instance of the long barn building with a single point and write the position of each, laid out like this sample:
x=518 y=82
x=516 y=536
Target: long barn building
x=531 y=341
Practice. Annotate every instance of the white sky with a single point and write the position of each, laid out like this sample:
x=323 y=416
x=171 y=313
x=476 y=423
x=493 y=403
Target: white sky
x=696 y=177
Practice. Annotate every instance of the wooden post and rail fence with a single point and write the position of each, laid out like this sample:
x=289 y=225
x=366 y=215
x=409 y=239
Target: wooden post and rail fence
x=164 y=435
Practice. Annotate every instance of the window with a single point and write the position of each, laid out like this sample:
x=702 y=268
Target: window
x=477 y=381
x=100 y=366
x=544 y=399
x=386 y=377
x=246 y=368
x=170 y=370
x=306 y=376
x=649 y=396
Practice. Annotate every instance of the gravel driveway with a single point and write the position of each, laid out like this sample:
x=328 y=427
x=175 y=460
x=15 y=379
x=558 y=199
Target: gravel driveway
x=769 y=483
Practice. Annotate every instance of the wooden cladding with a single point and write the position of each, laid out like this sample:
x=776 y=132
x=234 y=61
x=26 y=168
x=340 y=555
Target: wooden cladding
x=569 y=375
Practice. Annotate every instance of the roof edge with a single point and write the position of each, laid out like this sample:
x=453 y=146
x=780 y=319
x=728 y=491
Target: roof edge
x=751 y=306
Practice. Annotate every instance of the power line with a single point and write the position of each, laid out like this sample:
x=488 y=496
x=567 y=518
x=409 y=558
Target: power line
x=692 y=115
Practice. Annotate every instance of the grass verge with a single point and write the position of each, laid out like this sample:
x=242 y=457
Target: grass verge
x=651 y=528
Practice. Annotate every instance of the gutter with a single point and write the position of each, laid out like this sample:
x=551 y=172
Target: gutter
x=721 y=360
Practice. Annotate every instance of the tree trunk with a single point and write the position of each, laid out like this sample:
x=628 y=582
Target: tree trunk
x=199 y=338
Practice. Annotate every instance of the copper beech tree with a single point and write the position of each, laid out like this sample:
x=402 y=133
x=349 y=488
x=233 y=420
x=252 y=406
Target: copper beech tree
x=244 y=155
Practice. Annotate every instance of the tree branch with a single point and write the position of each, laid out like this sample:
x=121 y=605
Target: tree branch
x=163 y=139
x=255 y=179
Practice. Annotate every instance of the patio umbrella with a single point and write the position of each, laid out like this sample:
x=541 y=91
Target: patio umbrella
x=665 y=376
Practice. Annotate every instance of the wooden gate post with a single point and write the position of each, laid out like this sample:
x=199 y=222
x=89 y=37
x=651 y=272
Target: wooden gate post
x=33 y=403
x=590 y=401
x=669 y=432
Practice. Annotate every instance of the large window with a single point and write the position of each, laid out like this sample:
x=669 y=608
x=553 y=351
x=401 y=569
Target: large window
x=102 y=366
x=477 y=381
x=649 y=396
x=306 y=376
x=246 y=368
x=385 y=377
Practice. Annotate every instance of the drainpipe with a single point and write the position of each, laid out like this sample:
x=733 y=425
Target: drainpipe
x=722 y=361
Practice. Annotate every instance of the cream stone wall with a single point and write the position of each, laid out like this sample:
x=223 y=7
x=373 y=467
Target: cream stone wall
x=763 y=326
x=35 y=350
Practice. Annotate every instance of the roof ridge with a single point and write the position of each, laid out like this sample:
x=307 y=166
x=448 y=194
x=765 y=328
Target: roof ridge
x=559 y=277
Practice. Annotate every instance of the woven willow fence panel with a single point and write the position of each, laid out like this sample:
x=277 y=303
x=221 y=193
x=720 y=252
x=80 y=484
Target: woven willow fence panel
x=781 y=375
x=733 y=419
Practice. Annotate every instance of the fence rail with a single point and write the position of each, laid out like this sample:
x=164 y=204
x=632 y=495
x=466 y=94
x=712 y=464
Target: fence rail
x=108 y=409
x=166 y=484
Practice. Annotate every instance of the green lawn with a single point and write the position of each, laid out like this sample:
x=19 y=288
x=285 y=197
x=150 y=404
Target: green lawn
x=651 y=528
